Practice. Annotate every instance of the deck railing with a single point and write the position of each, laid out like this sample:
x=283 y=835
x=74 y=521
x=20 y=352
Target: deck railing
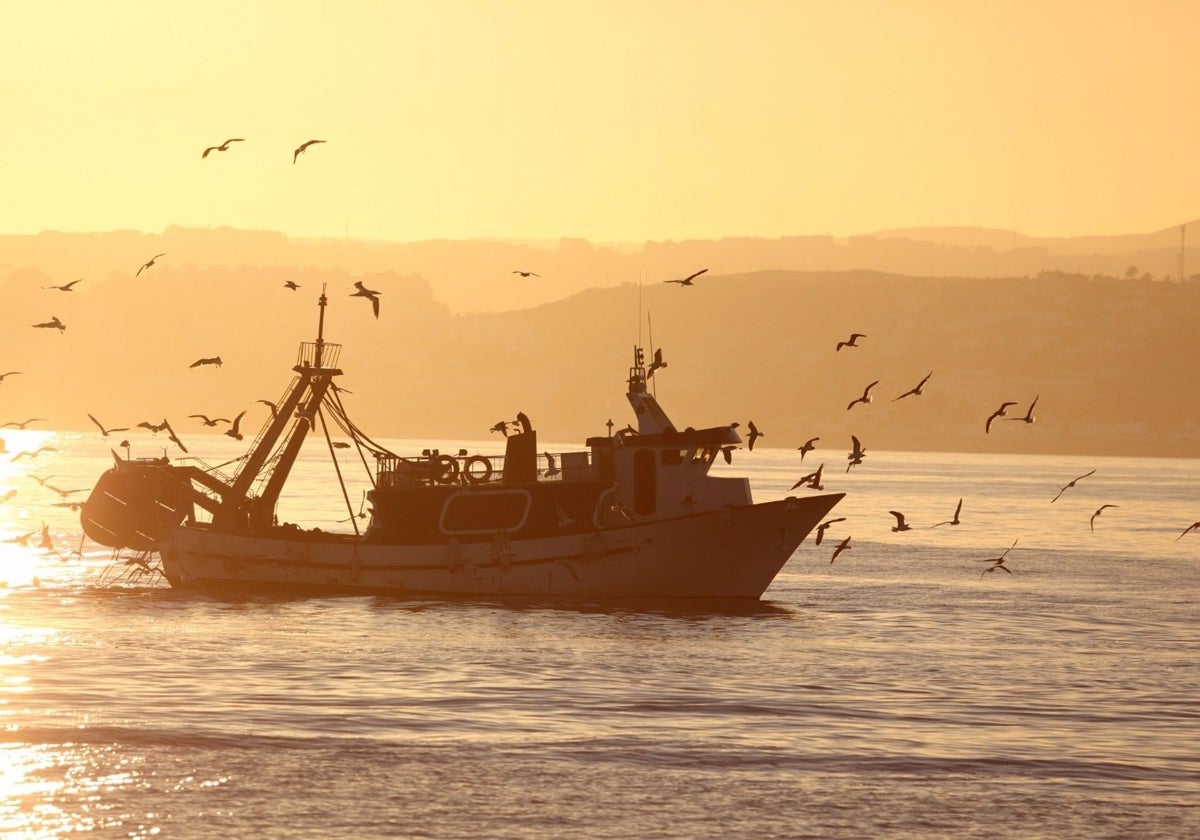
x=476 y=470
x=320 y=355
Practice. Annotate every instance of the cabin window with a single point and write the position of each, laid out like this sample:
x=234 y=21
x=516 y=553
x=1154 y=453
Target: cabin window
x=702 y=455
x=673 y=457
x=479 y=513
x=645 y=487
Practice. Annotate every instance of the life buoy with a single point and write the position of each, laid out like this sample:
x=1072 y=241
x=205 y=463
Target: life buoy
x=445 y=469
x=473 y=476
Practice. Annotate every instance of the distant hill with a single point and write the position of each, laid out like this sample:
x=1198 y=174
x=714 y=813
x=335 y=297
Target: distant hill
x=1109 y=359
x=482 y=275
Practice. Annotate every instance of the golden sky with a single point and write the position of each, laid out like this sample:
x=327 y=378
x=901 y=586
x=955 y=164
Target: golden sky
x=615 y=121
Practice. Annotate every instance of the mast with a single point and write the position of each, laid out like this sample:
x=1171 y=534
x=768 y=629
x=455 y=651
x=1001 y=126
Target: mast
x=238 y=510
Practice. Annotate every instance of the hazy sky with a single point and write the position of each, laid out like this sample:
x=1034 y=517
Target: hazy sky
x=612 y=121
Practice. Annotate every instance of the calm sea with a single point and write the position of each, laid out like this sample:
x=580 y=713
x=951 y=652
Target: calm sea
x=894 y=693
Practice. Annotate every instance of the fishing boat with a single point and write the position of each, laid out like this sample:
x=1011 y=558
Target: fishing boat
x=634 y=514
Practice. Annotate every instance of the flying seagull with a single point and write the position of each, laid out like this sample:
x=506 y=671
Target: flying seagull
x=303 y=147
x=17 y=425
x=953 y=521
x=209 y=421
x=148 y=263
x=999 y=412
x=291 y=284
x=813 y=480
x=174 y=438
x=103 y=431
x=223 y=147
x=687 y=281
x=1191 y=527
x=500 y=426
x=865 y=398
x=234 y=430
x=852 y=341
x=1092 y=521
x=917 y=391
x=66 y=287
x=52 y=324
x=370 y=294
x=1069 y=484
x=274 y=408
x=808 y=446
x=1028 y=418
x=842 y=546
x=998 y=562
x=656 y=364
x=754 y=435
x=857 y=453
x=215 y=360
x=900 y=525
x=153 y=427
x=824 y=526
x=525 y=273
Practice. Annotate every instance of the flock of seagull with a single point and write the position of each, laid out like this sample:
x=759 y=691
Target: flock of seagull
x=811 y=479
x=858 y=452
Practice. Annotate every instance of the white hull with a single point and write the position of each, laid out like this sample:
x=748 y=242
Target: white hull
x=732 y=553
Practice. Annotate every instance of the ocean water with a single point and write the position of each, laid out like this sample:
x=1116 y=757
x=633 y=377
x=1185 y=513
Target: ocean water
x=899 y=691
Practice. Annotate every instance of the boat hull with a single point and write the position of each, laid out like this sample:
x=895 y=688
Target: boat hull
x=730 y=553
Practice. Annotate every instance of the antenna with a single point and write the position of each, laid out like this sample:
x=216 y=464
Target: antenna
x=650 y=330
x=639 y=321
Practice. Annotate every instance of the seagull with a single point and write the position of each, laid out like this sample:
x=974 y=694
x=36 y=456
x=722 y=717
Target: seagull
x=852 y=341
x=270 y=405
x=842 y=546
x=210 y=421
x=998 y=562
x=900 y=525
x=215 y=360
x=656 y=364
x=153 y=427
x=303 y=147
x=755 y=434
x=999 y=412
x=824 y=526
x=1092 y=521
x=174 y=438
x=525 y=273
x=340 y=444
x=553 y=468
x=66 y=287
x=1070 y=483
x=1191 y=527
x=1028 y=418
x=223 y=147
x=3 y=376
x=953 y=521
x=807 y=447
x=233 y=431
x=291 y=284
x=856 y=454
x=52 y=324
x=63 y=493
x=148 y=263
x=17 y=425
x=363 y=291
x=7 y=496
x=917 y=391
x=103 y=431
x=866 y=396
x=813 y=480
x=501 y=426
x=687 y=281
x=727 y=453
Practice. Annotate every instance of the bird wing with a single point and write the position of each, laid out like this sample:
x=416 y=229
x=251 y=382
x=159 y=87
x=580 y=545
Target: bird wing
x=694 y=276
x=375 y=305
x=97 y=422
x=899 y=517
